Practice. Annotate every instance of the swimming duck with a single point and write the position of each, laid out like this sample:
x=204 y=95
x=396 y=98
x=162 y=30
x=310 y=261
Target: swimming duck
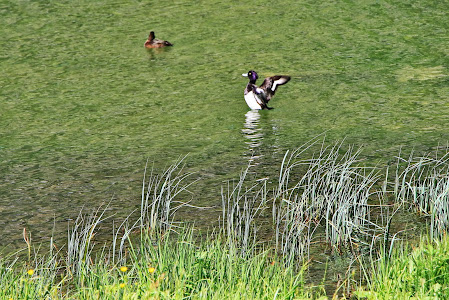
x=258 y=97
x=152 y=42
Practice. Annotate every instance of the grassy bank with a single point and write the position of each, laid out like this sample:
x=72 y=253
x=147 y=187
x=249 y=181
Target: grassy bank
x=162 y=267
x=411 y=272
x=328 y=203
x=179 y=267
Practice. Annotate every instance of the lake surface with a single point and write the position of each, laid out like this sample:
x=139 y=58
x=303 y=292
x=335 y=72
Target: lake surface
x=84 y=105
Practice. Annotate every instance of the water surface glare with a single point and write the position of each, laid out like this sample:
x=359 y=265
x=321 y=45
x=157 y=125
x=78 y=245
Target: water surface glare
x=84 y=105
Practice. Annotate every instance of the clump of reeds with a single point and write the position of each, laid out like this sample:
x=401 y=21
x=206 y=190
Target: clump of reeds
x=159 y=196
x=423 y=181
x=330 y=189
x=242 y=204
x=80 y=242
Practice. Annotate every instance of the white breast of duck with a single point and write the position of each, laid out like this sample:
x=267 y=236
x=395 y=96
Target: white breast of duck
x=253 y=100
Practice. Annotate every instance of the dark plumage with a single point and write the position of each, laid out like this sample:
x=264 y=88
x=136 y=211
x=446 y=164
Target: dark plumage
x=152 y=42
x=258 y=97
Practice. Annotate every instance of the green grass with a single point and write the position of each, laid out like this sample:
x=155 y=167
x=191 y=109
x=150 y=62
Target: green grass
x=411 y=272
x=177 y=266
x=162 y=267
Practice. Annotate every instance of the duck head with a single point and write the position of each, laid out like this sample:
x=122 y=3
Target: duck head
x=252 y=75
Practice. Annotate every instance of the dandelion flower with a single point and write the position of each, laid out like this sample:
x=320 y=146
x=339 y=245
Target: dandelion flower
x=123 y=269
x=122 y=285
x=30 y=272
x=151 y=270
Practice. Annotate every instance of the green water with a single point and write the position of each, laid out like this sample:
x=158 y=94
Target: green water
x=84 y=105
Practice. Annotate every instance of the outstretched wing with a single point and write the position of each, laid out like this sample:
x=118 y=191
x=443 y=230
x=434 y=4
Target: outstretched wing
x=279 y=80
x=270 y=84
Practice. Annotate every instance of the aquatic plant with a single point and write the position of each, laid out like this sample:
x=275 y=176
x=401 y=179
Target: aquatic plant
x=422 y=182
x=80 y=241
x=241 y=206
x=330 y=188
x=159 y=192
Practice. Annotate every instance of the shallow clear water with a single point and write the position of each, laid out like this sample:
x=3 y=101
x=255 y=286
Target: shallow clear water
x=84 y=105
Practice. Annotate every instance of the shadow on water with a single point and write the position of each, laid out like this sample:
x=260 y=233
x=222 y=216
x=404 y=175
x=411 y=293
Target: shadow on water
x=154 y=52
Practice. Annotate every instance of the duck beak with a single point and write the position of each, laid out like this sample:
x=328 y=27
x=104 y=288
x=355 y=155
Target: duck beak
x=245 y=74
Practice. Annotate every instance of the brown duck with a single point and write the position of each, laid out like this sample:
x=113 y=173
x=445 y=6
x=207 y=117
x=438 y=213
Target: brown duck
x=152 y=42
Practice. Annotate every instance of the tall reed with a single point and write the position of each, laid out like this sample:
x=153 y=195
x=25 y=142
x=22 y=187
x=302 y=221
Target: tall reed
x=333 y=189
x=159 y=195
x=423 y=183
x=242 y=204
x=80 y=242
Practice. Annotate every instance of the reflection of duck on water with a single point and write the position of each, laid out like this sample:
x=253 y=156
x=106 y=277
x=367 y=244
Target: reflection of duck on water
x=252 y=132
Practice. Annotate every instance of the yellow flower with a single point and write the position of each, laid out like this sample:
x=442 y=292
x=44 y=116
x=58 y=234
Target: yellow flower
x=151 y=269
x=123 y=269
x=122 y=285
x=30 y=272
